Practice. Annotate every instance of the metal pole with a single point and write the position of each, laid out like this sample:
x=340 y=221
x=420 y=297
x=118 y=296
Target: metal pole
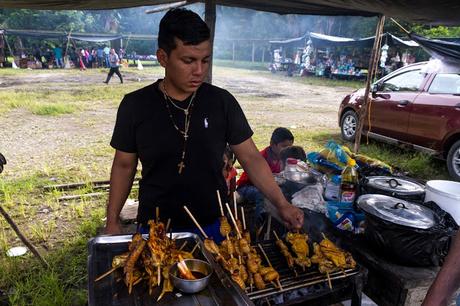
x=370 y=76
x=253 y=51
x=210 y=19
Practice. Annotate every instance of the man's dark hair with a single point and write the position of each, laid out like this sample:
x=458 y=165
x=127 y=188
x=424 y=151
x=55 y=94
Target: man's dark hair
x=281 y=134
x=296 y=152
x=182 y=24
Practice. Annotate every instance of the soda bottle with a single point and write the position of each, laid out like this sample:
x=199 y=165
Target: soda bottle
x=349 y=185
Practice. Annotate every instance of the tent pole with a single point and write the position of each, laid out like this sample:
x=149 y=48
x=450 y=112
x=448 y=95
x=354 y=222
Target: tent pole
x=210 y=19
x=370 y=76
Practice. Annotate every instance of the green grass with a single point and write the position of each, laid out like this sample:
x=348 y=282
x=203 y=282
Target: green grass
x=241 y=64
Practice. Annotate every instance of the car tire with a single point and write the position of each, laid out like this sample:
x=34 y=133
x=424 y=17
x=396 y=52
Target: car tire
x=453 y=161
x=349 y=125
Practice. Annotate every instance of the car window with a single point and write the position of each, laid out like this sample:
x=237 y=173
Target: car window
x=445 y=83
x=408 y=81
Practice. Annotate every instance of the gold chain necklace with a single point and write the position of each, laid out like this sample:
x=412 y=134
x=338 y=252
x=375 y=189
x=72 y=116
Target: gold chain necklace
x=188 y=117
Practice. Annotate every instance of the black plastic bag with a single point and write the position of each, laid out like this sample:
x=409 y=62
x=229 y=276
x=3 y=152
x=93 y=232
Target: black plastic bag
x=410 y=246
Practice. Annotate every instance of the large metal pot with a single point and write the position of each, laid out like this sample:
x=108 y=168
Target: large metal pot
x=393 y=186
x=407 y=233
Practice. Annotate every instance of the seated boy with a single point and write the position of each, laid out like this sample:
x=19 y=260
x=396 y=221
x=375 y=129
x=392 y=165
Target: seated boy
x=281 y=138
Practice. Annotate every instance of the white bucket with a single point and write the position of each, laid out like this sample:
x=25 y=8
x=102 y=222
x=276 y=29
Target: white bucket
x=446 y=194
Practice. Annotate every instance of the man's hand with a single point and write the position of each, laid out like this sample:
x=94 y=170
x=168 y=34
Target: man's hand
x=113 y=228
x=292 y=216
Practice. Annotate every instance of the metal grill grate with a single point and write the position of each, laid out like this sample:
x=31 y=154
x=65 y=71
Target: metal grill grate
x=291 y=280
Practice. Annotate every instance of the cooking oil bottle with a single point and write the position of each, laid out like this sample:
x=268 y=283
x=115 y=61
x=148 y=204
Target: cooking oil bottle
x=349 y=185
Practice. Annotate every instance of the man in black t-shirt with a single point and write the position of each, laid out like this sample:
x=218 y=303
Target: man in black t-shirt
x=178 y=128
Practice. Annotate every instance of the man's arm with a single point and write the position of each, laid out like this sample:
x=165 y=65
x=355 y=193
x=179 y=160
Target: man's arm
x=121 y=180
x=447 y=280
x=261 y=176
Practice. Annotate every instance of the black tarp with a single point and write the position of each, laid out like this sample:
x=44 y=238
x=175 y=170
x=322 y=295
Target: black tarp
x=446 y=51
x=445 y=12
x=92 y=37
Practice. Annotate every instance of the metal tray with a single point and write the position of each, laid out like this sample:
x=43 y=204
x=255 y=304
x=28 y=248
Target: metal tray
x=102 y=249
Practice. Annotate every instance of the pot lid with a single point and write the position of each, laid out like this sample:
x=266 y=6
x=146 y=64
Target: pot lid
x=395 y=184
x=397 y=211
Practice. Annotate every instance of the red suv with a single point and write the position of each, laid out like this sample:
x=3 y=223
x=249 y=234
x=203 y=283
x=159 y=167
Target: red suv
x=412 y=106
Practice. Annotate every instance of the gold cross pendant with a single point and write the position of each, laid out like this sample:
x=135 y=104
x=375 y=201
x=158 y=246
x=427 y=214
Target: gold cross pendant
x=181 y=165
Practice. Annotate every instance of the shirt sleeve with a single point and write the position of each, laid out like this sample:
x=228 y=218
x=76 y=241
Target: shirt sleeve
x=238 y=129
x=124 y=136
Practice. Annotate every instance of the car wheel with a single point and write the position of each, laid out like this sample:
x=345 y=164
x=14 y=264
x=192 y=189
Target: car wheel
x=348 y=125
x=453 y=161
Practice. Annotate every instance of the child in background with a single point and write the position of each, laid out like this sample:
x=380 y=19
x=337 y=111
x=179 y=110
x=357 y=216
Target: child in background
x=296 y=152
x=229 y=172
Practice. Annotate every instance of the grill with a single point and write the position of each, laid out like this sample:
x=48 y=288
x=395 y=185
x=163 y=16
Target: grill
x=310 y=285
x=300 y=286
x=110 y=292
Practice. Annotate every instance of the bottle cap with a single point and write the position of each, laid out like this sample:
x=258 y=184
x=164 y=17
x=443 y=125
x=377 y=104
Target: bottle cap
x=291 y=161
x=351 y=162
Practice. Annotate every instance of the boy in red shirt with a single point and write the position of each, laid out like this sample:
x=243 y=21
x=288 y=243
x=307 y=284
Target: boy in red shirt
x=281 y=138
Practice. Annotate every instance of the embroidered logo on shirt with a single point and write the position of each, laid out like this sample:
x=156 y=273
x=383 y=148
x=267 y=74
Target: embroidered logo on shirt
x=206 y=123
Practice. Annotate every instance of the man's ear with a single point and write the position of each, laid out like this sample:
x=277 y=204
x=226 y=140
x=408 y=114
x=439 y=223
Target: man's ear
x=162 y=57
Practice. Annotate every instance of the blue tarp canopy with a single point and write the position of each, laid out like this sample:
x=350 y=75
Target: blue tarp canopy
x=325 y=41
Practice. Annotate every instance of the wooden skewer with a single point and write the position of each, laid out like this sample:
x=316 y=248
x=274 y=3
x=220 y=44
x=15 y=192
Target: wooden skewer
x=233 y=220
x=276 y=235
x=236 y=210
x=194 y=248
x=168 y=224
x=228 y=239
x=270 y=264
x=157 y=213
x=159 y=274
x=105 y=274
x=265 y=255
x=329 y=280
x=183 y=245
x=242 y=216
x=196 y=222
x=220 y=203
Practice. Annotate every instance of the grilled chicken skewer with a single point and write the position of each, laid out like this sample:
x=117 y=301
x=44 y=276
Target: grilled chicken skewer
x=284 y=251
x=246 y=234
x=270 y=274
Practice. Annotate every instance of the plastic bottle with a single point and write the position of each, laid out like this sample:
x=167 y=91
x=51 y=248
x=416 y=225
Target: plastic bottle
x=349 y=185
x=332 y=190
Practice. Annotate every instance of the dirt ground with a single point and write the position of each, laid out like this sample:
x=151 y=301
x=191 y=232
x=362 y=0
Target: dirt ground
x=32 y=142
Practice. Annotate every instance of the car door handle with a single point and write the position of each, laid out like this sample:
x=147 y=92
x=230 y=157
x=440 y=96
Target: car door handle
x=403 y=103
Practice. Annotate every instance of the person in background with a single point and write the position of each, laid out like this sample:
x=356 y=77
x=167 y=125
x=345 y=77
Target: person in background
x=114 y=62
x=81 y=58
x=280 y=139
x=229 y=172
x=296 y=152
x=58 y=57
x=447 y=281
x=106 y=56
x=38 y=54
x=100 y=57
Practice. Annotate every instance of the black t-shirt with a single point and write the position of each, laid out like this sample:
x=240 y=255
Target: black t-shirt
x=144 y=127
